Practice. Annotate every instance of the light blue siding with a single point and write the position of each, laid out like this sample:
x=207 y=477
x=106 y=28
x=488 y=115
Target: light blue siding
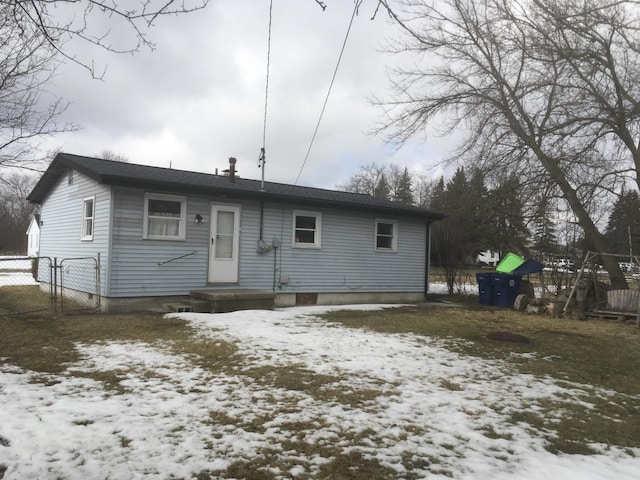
x=346 y=262
x=61 y=229
x=138 y=265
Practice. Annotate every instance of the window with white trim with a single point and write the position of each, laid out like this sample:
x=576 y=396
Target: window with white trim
x=306 y=229
x=386 y=239
x=88 y=209
x=164 y=217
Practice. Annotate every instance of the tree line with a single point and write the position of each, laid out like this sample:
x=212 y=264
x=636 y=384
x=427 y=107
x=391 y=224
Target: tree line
x=15 y=212
x=498 y=213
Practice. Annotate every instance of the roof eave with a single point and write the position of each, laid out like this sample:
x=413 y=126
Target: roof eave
x=64 y=162
x=231 y=192
x=58 y=166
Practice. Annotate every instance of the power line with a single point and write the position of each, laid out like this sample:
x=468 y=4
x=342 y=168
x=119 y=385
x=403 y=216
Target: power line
x=335 y=72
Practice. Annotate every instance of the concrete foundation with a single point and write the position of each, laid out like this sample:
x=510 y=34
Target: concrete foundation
x=140 y=304
x=229 y=301
x=292 y=299
x=232 y=300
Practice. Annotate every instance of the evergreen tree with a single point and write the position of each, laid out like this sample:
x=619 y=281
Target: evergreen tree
x=382 y=189
x=404 y=190
x=436 y=200
x=437 y=203
x=545 y=240
x=508 y=232
x=625 y=220
x=452 y=238
x=477 y=202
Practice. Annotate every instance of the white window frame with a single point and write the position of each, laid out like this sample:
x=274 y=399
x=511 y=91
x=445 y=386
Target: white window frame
x=394 y=236
x=182 y=225
x=85 y=235
x=317 y=231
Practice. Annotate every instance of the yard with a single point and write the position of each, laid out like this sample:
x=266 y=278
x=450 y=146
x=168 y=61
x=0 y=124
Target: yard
x=334 y=393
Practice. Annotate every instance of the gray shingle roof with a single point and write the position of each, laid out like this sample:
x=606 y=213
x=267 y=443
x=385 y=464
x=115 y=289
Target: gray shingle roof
x=158 y=179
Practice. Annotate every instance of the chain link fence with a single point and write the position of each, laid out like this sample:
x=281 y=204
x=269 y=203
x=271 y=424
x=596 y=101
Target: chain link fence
x=29 y=285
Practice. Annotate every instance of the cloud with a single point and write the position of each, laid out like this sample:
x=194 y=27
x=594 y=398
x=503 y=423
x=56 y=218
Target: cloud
x=199 y=97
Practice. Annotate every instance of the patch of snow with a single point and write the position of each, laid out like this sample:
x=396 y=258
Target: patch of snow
x=161 y=415
x=15 y=271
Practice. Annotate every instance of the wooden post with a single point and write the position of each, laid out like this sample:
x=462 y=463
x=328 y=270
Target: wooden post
x=576 y=280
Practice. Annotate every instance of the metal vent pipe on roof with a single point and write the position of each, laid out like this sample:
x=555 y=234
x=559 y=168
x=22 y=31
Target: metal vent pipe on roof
x=232 y=169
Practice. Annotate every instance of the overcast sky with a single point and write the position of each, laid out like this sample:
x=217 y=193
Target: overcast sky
x=198 y=99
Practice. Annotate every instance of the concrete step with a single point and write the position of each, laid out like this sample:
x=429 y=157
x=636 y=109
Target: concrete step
x=186 y=305
x=178 y=307
x=235 y=299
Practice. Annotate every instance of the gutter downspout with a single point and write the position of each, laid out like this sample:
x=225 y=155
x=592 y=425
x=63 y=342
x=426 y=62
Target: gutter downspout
x=261 y=219
x=427 y=260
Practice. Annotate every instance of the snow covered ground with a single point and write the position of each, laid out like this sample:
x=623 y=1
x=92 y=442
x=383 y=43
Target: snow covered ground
x=161 y=424
x=15 y=271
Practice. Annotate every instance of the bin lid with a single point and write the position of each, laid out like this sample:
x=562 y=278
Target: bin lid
x=509 y=263
x=529 y=266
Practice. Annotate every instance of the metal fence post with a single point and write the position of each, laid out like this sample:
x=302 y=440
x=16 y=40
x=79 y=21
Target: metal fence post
x=98 y=293
x=54 y=281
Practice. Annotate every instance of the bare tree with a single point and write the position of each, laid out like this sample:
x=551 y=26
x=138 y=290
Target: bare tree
x=423 y=189
x=119 y=26
x=547 y=90
x=370 y=180
x=34 y=42
x=116 y=157
x=15 y=211
x=27 y=63
x=389 y=182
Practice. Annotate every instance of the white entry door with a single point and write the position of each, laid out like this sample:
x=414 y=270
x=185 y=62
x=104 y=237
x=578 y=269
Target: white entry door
x=224 y=244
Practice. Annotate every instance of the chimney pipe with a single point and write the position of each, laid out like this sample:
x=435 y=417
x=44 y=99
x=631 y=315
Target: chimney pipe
x=232 y=169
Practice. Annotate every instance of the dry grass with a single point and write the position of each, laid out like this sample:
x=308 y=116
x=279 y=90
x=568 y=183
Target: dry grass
x=595 y=352
x=46 y=344
x=23 y=298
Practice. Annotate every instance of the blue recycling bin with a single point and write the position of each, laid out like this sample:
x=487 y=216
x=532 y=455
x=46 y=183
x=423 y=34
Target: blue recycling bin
x=506 y=288
x=486 y=295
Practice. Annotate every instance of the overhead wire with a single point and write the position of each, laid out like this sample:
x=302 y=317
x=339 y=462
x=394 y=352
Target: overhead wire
x=326 y=100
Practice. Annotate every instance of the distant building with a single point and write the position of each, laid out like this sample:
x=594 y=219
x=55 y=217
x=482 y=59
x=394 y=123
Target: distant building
x=33 y=236
x=488 y=258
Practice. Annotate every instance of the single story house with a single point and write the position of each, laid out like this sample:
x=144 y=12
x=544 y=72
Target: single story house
x=162 y=233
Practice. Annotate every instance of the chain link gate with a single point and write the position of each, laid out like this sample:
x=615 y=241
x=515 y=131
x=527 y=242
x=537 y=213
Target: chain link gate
x=79 y=283
x=39 y=284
